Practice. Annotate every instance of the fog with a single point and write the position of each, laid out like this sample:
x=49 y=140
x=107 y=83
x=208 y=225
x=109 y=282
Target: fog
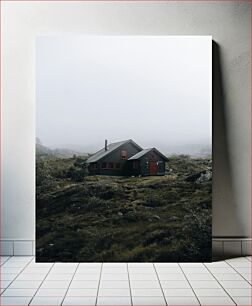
x=155 y=90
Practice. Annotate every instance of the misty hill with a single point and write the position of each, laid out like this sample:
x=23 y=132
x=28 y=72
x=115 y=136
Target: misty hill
x=193 y=150
x=42 y=150
x=68 y=150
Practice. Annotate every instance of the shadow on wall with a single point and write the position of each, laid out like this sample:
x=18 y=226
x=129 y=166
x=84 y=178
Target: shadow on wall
x=225 y=215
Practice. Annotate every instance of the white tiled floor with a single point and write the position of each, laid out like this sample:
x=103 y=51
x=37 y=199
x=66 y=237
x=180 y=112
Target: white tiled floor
x=24 y=282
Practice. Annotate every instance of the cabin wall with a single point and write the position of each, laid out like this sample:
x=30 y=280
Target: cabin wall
x=132 y=171
x=115 y=157
x=161 y=167
x=92 y=170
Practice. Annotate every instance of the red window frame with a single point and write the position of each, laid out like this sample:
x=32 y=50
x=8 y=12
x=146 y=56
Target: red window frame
x=124 y=154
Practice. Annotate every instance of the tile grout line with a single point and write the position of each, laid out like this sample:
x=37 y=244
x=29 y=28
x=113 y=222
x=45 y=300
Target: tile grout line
x=160 y=284
x=9 y=257
x=16 y=276
x=1 y=266
x=239 y=272
x=247 y=258
x=70 y=283
x=41 y=282
x=189 y=284
x=96 y=300
x=131 y=298
x=220 y=284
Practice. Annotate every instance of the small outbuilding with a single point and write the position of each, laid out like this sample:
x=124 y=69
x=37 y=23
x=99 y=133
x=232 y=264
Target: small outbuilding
x=147 y=162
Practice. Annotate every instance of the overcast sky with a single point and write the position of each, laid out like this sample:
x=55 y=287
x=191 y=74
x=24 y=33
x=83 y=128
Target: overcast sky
x=155 y=90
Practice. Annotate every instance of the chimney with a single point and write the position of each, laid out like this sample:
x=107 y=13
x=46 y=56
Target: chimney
x=106 y=145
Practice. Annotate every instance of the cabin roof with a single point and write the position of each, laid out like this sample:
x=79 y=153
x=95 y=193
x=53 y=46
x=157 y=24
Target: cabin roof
x=111 y=147
x=140 y=154
x=145 y=151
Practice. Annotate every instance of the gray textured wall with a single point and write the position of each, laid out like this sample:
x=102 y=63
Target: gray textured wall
x=227 y=22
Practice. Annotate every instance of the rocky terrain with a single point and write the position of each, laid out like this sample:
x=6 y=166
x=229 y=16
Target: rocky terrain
x=103 y=218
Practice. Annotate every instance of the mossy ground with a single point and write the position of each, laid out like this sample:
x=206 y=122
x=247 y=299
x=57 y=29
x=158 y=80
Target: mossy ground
x=116 y=219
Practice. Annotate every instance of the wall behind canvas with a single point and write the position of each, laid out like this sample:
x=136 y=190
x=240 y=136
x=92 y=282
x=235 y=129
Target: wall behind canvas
x=227 y=22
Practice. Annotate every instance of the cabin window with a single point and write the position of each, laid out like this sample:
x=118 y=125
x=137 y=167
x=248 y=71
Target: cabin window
x=117 y=165
x=104 y=165
x=123 y=154
x=135 y=164
x=110 y=165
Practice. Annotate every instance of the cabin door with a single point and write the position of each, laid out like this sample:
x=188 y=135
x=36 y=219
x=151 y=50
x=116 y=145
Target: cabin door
x=153 y=168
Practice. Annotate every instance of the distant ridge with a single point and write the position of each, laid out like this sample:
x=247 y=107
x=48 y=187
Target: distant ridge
x=42 y=150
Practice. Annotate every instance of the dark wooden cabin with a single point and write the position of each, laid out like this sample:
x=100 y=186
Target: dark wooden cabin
x=126 y=158
x=112 y=159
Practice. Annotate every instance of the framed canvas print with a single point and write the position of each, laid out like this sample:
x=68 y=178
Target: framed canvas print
x=123 y=148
